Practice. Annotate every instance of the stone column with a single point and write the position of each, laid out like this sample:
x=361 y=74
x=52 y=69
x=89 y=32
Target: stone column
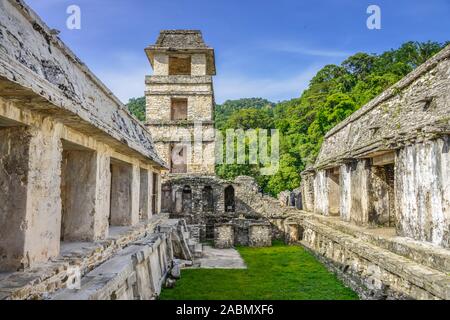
x=158 y=198
x=103 y=196
x=321 y=193
x=355 y=202
x=135 y=193
x=143 y=195
x=43 y=220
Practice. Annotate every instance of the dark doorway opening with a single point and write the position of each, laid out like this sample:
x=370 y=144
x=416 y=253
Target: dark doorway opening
x=207 y=198
x=230 y=205
x=187 y=199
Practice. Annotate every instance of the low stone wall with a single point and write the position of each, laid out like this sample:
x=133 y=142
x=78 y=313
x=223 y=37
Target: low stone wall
x=136 y=273
x=131 y=258
x=377 y=266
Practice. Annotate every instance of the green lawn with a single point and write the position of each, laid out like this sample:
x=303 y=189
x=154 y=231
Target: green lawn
x=279 y=272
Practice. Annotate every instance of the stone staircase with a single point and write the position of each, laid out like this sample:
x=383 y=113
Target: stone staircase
x=191 y=238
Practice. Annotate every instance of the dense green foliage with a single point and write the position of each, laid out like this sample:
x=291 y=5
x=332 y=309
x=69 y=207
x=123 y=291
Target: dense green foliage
x=137 y=107
x=334 y=93
x=224 y=111
x=279 y=272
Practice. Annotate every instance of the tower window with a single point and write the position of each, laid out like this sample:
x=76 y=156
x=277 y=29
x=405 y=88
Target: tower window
x=179 y=66
x=178 y=110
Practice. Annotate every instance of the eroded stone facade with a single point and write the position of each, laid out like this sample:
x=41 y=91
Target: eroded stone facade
x=180 y=101
x=80 y=178
x=384 y=171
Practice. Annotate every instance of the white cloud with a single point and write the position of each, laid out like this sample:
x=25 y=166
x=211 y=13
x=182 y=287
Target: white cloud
x=293 y=47
x=236 y=86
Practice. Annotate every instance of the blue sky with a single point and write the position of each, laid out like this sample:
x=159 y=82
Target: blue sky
x=268 y=49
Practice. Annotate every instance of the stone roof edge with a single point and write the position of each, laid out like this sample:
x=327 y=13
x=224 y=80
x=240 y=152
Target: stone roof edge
x=34 y=19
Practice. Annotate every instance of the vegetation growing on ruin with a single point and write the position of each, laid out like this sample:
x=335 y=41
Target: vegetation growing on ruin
x=334 y=93
x=278 y=272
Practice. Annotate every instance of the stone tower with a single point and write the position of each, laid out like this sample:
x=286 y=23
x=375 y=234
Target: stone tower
x=180 y=102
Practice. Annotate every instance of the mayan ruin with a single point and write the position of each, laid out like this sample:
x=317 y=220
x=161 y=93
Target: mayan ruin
x=96 y=204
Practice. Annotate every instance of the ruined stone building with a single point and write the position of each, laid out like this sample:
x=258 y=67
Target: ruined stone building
x=79 y=175
x=180 y=116
x=383 y=177
x=96 y=205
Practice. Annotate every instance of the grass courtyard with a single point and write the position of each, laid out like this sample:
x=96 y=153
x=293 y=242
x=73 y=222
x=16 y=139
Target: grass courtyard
x=279 y=272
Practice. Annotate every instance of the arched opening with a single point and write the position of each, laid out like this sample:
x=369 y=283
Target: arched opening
x=292 y=199
x=166 y=203
x=230 y=205
x=207 y=199
x=187 y=199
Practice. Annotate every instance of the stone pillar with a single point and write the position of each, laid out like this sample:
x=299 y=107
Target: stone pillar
x=422 y=191
x=321 y=193
x=135 y=193
x=355 y=198
x=103 y=196
x=345 y=203
x=43 y=222
x=307 y=191
x=143 y=195
x=158 y=196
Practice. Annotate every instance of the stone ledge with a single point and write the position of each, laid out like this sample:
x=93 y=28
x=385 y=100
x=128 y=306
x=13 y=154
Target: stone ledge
x=423 y=253
x=367 y=265
x=178 y=80
x=178 y=93
x=46 y=278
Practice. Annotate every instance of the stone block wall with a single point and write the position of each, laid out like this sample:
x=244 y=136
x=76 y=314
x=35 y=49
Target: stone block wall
x=260 y=235
x=137 y=272
x=224 y=236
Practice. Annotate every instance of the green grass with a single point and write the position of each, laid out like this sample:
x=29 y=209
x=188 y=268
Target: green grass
x=279 y=272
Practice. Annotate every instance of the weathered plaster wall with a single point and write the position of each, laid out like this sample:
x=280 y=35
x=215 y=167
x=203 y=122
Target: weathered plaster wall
x=260 y=235
x=78 y=192
x=422 y=176
x=198 y=67
x=14 y=155
x=37 y=230
x=144 y=201
x=224 y=235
